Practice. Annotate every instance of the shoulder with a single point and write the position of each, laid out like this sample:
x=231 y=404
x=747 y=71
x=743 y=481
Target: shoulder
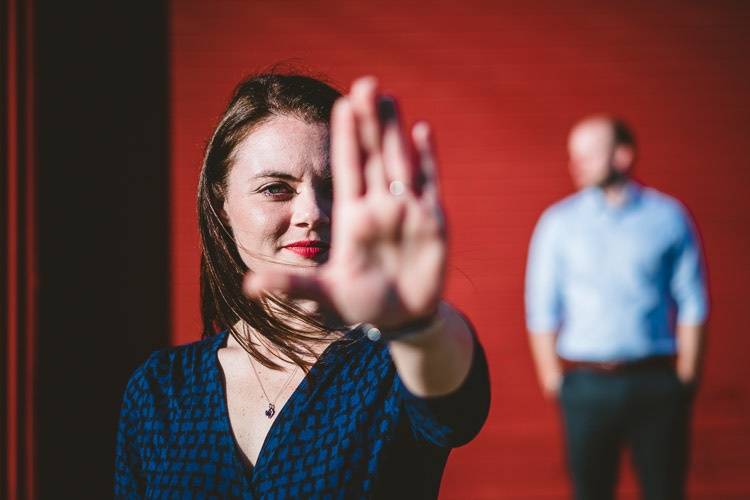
x=565 y=207
x=666 y=208
x=658 y=199
x=168 y=371
x=556 y=215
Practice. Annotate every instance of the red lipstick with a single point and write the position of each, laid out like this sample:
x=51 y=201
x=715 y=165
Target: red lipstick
x=308 y=249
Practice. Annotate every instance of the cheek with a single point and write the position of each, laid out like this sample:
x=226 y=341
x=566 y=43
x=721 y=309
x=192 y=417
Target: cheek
x=259 y=227
x=594 y=166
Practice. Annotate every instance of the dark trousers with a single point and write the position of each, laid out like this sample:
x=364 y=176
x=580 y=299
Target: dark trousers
x=648 y=410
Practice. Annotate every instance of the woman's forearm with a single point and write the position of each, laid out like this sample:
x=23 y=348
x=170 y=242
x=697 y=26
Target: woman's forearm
x=436 y=361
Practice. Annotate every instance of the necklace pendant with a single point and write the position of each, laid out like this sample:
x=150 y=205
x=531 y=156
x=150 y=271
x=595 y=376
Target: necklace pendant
x=271 y=411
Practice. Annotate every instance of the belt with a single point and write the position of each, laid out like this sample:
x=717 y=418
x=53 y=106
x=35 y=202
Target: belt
x=619 y=366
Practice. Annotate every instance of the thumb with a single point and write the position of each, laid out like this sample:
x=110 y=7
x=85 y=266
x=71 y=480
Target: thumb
x=292 y=285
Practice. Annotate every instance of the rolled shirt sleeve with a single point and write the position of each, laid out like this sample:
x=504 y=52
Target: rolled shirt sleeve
x=456 y=418
x=543 y=294
x=687 y=283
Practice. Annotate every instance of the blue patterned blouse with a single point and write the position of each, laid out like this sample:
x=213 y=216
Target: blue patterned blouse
x=350 y=430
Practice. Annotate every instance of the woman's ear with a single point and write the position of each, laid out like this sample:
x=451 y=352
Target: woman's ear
x=223 y=214
x=623 y=158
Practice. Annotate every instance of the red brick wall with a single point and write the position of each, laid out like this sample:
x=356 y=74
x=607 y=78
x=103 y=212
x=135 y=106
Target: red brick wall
x=502 y=83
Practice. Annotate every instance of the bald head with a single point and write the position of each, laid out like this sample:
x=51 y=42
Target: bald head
x=601 y=150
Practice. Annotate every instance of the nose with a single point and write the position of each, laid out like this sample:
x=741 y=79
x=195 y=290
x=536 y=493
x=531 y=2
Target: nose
x=311 y=210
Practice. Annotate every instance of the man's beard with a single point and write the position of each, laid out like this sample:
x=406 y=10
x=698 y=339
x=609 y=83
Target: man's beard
x=614 y=177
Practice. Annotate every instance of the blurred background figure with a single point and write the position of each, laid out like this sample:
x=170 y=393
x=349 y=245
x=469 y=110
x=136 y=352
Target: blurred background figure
x=606 y=268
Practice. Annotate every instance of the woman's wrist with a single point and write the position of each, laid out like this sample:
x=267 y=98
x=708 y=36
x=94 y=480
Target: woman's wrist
x=418 y=328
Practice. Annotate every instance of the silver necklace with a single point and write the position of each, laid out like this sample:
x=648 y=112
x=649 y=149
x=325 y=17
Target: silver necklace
x=271 y=410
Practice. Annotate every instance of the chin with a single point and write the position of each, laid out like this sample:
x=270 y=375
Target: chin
x=301 y=265
x=305 y=261
x=589 y=182
x=287 y=262
x=306 y=267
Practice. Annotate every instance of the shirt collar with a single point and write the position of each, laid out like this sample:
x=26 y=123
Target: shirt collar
x=595 y=198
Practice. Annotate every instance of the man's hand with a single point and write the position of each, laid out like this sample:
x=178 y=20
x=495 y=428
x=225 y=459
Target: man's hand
x=690 y=347
x=548 y=367
x=550 y=383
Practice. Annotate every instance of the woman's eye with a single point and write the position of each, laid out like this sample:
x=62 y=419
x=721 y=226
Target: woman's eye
x=277 y=190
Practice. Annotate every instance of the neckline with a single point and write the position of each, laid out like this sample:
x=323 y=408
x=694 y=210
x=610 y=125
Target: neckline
x=248 y=468
x=596 y=197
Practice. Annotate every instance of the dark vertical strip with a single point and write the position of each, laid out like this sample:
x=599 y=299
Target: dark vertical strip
x=101 y=115
x=21 y=256
x=18 y=258
x=30 y=254
x=20 y=249
x=4 y=192
x=10 y=284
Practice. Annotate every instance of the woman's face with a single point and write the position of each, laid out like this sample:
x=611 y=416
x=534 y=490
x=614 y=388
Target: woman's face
x=279 y=195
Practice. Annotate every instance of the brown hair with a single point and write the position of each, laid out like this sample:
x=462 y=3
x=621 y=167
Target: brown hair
x=287 y=327
x=623 y=134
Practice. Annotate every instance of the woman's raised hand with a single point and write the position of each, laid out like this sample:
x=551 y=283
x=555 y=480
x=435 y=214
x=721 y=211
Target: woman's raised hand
x=388 y=248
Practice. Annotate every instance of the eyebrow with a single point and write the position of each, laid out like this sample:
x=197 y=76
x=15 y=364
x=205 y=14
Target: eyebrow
x=275 y=174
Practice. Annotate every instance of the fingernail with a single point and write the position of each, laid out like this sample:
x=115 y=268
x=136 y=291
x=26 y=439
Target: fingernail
x=421 y=130
x=387 y=109
x=365 y=83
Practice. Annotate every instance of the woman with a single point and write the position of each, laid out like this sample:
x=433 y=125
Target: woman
x=337 y=371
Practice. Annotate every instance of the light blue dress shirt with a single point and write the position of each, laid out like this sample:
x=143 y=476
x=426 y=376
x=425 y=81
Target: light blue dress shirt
x=612 y=280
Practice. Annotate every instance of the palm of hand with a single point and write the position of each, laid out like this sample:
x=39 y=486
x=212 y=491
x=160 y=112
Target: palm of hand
x=388 y=260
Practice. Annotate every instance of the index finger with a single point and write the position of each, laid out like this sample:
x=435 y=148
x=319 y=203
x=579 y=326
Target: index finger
x=346 y=165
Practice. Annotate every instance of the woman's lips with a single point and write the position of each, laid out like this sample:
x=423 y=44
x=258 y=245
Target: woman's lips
x=308 y=249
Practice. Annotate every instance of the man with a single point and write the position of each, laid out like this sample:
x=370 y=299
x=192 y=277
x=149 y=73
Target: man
x=615 y=308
